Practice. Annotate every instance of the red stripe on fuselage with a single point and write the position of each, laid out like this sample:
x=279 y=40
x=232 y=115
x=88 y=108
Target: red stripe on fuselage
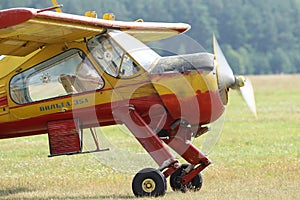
x=3 y=101
x=98 y=115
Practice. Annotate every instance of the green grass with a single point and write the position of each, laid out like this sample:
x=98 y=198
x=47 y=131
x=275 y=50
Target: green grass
x=254 y=159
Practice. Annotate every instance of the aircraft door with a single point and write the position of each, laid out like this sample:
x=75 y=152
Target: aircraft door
x=53 y=80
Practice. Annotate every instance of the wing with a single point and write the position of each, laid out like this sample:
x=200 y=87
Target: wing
x=24 y=30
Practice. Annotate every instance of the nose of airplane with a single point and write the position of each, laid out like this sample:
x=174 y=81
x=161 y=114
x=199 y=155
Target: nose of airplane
x=187 y=85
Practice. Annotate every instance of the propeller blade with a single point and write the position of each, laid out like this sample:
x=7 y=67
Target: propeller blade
x=224 y=71
x=226 y=80
x=248 y=95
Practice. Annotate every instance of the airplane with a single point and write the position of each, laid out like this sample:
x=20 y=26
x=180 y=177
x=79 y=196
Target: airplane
x=63 y=73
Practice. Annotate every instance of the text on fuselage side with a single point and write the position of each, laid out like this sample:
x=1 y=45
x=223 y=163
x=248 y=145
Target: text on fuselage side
x=62 y=105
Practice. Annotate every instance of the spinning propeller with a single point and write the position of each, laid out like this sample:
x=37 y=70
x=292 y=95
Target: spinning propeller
x=227 y=80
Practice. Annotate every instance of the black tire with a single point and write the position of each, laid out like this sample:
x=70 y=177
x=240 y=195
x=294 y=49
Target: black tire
x=176 y=181
x=175 y=178
x=149 y=182
x=196 y=183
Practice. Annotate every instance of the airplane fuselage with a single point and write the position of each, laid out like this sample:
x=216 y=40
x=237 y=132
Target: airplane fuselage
x=187 y=93
x=64 y=73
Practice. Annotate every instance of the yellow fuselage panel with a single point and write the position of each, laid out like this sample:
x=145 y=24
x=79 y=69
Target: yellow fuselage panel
x=184 y=84
x=115 y=89
x=192 y=96
x=61 y=105
x=48 y=106
x=11 y=63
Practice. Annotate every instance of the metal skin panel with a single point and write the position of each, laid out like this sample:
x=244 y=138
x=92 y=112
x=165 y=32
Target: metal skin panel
x=192 y=96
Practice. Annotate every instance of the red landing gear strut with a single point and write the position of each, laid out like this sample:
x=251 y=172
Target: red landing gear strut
x=152 y=182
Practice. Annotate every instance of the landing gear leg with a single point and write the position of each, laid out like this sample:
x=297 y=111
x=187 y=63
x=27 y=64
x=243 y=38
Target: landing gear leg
x=148 y=182
x=188 y=177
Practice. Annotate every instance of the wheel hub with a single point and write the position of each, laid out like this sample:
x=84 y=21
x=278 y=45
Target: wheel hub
x=148 y=185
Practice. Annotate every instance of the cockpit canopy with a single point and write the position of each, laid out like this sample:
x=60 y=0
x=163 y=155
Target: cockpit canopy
x=121 y=55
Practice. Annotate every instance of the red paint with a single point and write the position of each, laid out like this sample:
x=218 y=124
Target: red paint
x=90 y=116
x=15 y=16
x=202 y=108
x=179 y=27
x=101 y=115
x=187 y=178
x=145 y=135
x=3 y=101
x=98 y=115
x=180 y=143
x=64 y=136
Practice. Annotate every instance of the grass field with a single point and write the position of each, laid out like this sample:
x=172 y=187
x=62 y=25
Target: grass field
x=254 y=159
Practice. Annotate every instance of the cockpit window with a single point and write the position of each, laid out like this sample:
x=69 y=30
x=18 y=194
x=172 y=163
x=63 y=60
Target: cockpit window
x=111 y=57
x=138 y=51
x=68 y=73
x=107 y=54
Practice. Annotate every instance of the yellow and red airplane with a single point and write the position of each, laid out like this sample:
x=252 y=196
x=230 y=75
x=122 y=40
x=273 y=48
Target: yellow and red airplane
x=62 y=73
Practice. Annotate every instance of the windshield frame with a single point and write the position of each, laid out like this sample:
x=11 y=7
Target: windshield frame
x=140 y=54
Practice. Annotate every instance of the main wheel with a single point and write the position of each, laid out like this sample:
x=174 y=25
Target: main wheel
x=149 y=182
x=196 y=183
x=176 y=181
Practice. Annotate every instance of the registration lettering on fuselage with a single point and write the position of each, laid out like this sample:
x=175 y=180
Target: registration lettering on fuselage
x=62 y=105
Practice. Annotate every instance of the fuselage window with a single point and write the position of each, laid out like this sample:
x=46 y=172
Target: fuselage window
x=68 y=73
x=111 y=57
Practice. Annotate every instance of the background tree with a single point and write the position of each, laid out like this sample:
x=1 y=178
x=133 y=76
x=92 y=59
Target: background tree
x=257 y=37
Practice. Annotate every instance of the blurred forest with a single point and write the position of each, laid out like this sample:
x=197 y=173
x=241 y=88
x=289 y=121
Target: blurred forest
x=257 y=37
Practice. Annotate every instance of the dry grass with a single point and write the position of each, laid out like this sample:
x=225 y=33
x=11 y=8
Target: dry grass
x=255 y=158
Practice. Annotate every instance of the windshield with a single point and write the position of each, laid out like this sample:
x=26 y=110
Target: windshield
x=120 y=54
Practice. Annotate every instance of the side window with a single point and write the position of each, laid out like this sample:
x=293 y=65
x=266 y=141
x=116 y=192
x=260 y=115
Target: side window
x=107 y=54
x=111 y=57
x=68 y=73
x=128 y=67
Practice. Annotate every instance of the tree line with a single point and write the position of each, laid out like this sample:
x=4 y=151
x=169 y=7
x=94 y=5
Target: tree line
x=257 y=37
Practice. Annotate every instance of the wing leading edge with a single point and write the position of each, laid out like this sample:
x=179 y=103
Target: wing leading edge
x=24 y=30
